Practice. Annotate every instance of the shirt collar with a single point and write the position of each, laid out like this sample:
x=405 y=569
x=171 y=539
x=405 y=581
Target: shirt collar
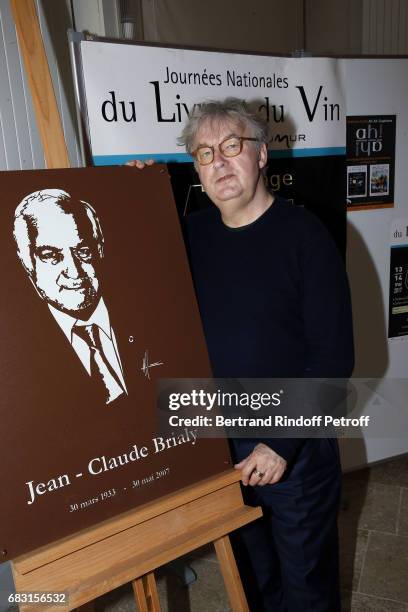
x=100 y=317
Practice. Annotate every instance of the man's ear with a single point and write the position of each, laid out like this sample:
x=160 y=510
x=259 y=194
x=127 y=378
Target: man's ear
x=262 y=155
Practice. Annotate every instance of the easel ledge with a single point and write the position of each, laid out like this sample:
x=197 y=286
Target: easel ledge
x=121 y=550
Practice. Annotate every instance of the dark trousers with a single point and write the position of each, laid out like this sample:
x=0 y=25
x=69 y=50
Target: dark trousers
x=288 y=560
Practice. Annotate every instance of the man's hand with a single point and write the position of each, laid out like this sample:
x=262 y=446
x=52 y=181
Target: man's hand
x=263 y=466
x=138 y=163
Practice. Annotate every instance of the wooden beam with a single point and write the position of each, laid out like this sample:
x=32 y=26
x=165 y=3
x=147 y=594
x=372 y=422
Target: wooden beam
x=230 y=574
x=146 y=595
x=47 y=554
x=39 y=79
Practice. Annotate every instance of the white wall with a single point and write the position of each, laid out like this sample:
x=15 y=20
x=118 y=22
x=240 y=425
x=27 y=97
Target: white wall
x=376 y=87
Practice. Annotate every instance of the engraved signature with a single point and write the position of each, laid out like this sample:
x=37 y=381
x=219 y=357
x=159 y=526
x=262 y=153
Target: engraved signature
x=146 y=365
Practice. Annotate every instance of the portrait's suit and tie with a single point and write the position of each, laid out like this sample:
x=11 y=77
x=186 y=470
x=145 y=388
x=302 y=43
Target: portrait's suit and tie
x=61 y=246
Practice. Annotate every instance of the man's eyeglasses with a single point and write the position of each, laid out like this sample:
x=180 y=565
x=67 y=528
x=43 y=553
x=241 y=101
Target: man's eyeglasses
x=230 y=147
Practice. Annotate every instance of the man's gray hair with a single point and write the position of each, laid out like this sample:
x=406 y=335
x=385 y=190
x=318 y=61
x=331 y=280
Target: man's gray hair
x=35 y=204
x=233 y=110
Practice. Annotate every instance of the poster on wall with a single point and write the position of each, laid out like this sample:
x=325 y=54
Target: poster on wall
x=139 y=96
x=136 y=99
x=370 y=161
x=97 y=304
x=398 y=298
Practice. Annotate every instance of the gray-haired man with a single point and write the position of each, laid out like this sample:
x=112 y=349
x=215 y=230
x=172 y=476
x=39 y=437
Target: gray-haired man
x=274 y=302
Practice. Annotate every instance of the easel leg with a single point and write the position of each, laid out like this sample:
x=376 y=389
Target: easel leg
x=146 y=595
x=230 y=574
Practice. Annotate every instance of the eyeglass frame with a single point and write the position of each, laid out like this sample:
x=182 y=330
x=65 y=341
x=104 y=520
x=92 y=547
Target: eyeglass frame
x=212 y=148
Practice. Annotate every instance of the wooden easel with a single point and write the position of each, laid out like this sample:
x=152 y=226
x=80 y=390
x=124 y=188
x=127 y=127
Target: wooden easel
x=130 y=547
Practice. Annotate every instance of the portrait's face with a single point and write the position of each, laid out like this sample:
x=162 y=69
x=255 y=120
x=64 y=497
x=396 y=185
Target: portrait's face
x=65 y=263
x=230 y=182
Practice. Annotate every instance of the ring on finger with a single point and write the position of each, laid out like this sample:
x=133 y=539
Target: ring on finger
x=259 y=473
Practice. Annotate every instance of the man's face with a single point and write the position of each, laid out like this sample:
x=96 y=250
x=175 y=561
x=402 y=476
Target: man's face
x=230 y=182
x=64 y=263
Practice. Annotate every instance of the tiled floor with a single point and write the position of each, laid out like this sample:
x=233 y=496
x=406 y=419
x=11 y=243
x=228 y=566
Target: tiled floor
x=373 y=527
x=374 y=538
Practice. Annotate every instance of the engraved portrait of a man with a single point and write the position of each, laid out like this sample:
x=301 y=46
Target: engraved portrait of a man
x=61 y=247
x=97 y=308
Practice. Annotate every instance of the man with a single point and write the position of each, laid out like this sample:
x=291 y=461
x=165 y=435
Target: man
x=60 y=245
x=274 y=302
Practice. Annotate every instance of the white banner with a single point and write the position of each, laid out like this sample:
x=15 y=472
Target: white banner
x=138 y=98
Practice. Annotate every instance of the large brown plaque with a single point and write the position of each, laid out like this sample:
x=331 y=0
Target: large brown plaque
x=97 y=304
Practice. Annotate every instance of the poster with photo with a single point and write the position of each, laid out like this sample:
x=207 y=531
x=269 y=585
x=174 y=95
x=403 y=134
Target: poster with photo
x=97 y=304
x=398 y=307
x=379 y=180
x=370 y=161
x=356 y=181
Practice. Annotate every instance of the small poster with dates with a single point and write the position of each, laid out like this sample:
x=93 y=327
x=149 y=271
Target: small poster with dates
x=370 y=161
x=398 y=311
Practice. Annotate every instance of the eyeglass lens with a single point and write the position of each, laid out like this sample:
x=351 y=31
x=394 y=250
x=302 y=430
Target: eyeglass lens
x=229 y=148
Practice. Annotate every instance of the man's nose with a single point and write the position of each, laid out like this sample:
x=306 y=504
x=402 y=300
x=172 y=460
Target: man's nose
x=219 y=159
x=72 y=265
